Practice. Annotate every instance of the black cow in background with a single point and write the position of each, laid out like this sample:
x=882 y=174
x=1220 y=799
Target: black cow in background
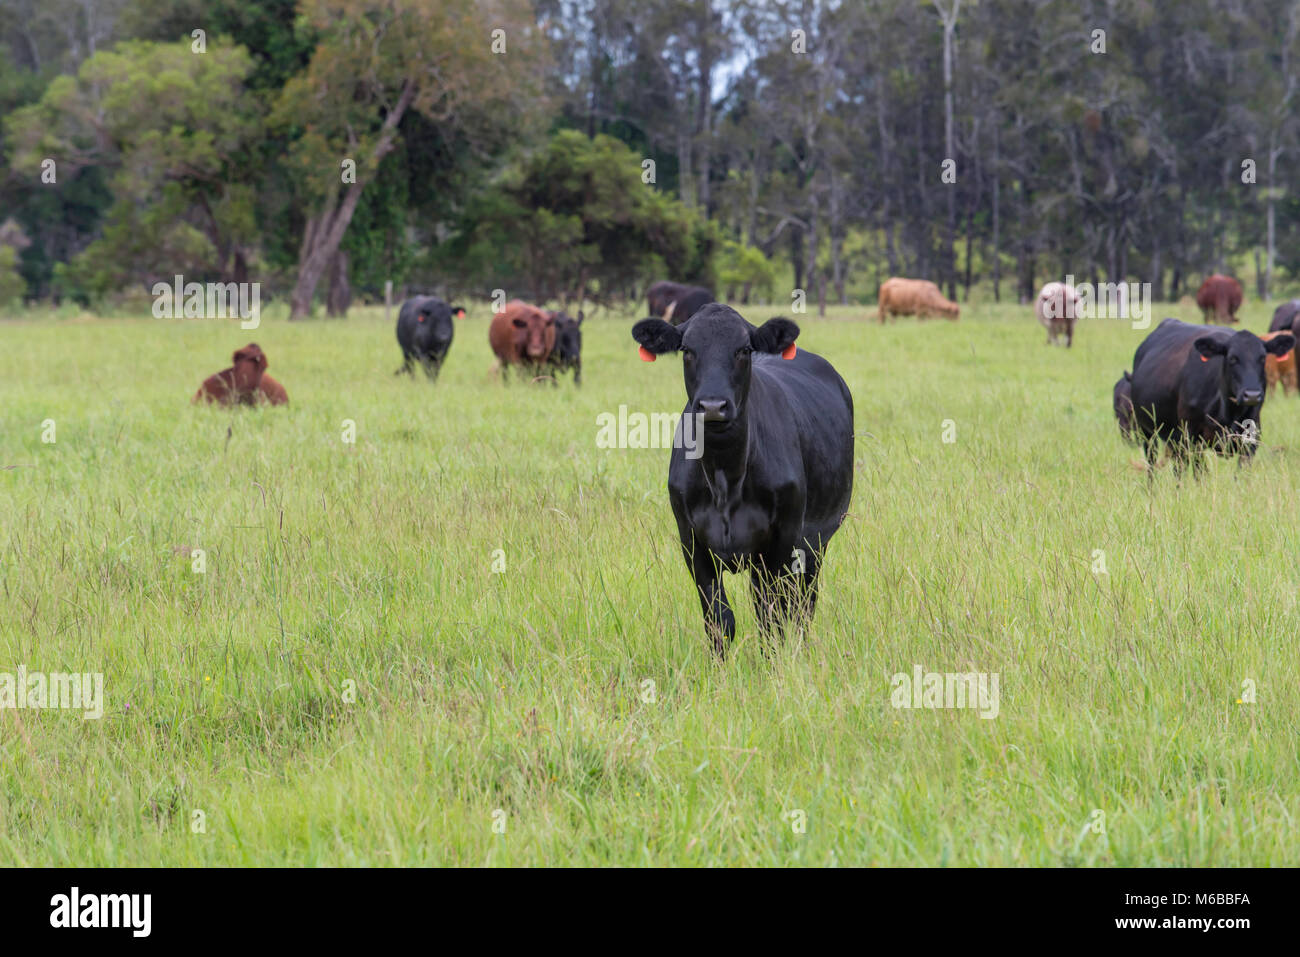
x=424 y=331
x=770 y=479
x=1195 y=387
x=567 y=353
x=1284 y=316
x=1122 y=400
x=676 y=303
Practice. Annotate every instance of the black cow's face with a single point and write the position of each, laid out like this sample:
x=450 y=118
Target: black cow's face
x=1123 y=402
x=435 y=322
x=568 y=336
x=1243 y=363
x=717 y=348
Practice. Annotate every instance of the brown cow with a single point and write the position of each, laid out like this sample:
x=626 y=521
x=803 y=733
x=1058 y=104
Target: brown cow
x=914 y=297
x=244 y=383
x=1220 y=295
x=522 y=335
x=1280 y=368
x=272 y=392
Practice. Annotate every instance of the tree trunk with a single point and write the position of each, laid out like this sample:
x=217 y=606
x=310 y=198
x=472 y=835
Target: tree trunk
x=704 y=106
x=324 y=231
x=1267 y=287
x=796 y=255
x=1157 y=273
x=684 y=192
x=949 y=18
x=997 y=223
x=339 y=296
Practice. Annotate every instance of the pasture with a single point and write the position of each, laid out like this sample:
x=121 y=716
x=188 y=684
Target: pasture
x=506 y=717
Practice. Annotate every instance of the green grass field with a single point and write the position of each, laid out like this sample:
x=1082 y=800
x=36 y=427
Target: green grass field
x=349 y=682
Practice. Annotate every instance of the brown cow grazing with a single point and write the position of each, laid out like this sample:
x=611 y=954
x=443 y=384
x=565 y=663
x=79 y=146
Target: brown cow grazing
x=914 y=297
x=1280 y=368
x=244 y=383
x=523 y=336
x=1056 y=307
x=1220 y=296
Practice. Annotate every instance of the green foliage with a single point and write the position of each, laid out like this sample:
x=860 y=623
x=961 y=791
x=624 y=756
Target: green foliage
x=743 y=265
x=11 y=283
x=175 y=129
x=574 y=218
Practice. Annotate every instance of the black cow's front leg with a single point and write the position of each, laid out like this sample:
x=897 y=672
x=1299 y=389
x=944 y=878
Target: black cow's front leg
x=719 y=619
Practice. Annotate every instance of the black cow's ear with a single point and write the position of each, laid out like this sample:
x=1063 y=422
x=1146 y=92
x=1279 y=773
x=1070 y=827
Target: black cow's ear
x=775 y=335
x=1280 y=345
x=657 y=336
x=1210 y=347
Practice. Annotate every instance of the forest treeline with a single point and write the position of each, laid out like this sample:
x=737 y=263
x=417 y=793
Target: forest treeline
x=579 y=149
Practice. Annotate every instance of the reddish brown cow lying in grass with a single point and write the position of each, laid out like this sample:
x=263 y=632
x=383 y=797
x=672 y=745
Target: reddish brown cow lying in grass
x=244 y=383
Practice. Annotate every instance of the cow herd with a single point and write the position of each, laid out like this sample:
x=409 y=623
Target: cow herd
x=773 y=476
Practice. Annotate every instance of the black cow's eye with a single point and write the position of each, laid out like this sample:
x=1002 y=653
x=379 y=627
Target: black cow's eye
x=688 y=354
x=744 y=352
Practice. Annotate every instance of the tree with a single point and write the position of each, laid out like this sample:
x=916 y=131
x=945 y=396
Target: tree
x=454 y=61
x=173 y=130
x=574 y=221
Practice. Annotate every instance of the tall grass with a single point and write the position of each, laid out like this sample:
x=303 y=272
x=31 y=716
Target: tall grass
x=508 y=718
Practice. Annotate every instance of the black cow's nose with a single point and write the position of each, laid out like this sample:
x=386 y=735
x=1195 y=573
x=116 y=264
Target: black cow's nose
x=1252 y=397
x=713 y=410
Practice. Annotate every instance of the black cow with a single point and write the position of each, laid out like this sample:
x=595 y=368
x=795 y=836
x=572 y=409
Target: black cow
x=1284 y=316
x=567 y=353
x=1195 y=387
x=770 y=480
x=675 y=302
x=424 y=331
x=1123 y=402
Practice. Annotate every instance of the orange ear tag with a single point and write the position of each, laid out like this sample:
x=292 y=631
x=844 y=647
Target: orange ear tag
x=789 y=351
x=645 y=354
x=1204 y=359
